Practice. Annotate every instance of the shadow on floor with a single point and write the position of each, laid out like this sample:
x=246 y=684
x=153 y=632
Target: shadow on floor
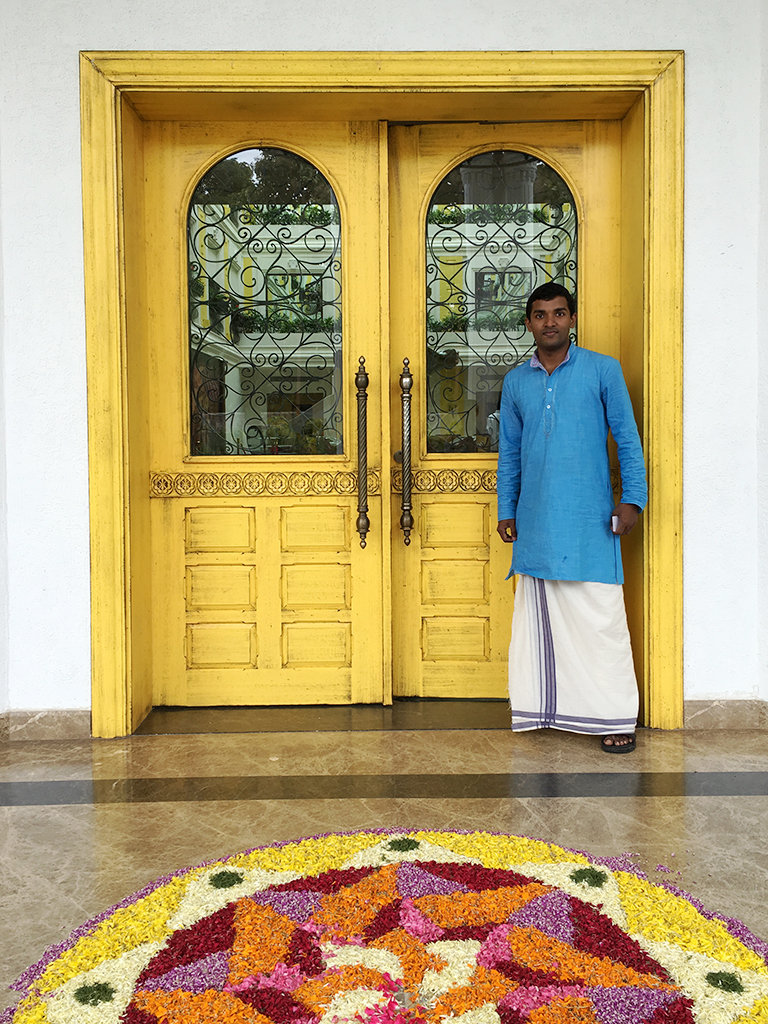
x=404 y=714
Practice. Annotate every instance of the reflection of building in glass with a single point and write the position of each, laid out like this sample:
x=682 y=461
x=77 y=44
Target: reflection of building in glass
x=482 y=264
x=500 y=291
x=264 y=308
x=265 y=332
x=294 y=294
x=499 y=224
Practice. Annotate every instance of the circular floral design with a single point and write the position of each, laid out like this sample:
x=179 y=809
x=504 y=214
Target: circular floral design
x=374 y=483
x=230 y=483
x=470 y=480
x=322 y=483
x=448 y=480
x=162 y=485
x=253 y=483
x=208 y=483
x=345 y=483
x=403 y=928
x=299 y=483
x=186 y=484
x=424 y=480
x=277 y=483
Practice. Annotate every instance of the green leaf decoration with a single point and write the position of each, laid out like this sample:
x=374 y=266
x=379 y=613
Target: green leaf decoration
x=725 y=980
x=591 y=876
x=92 y=995
x=403 y=844
x=225 y=879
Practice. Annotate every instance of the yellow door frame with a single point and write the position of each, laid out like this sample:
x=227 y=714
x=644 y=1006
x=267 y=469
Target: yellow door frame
x=643 y=89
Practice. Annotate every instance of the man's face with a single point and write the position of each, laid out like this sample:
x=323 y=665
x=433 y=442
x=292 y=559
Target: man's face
x=550 y=324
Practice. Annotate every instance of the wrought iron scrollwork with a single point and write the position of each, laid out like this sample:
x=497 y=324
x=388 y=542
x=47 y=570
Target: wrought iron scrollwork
x=499 y=225
x=265 y=309
x=361 y=383
x=406 y=386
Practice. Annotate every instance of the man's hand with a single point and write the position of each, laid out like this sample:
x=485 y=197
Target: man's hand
x=627 y=515
x=507 y=530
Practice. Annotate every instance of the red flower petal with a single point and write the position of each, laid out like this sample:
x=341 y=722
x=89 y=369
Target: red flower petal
x=679 y=1012
x=474 y=876
x=385 y=921
x=209 y=935
x=596 y=934
x=304 y=953
x=329 y=881
x=133 y=1015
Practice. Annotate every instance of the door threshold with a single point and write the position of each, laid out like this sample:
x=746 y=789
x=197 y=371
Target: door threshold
x=408 y=713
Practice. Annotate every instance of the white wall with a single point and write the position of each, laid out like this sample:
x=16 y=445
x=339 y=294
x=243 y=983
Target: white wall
x=762 y=342
x=44 y=384
x=4 y=695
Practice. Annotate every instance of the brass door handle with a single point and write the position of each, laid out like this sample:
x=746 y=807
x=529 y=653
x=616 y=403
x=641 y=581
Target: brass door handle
x=363 y=524
x=406 y=385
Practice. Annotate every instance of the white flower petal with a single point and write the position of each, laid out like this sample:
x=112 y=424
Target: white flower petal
x=461 y=962
x=202 y=898
x=375 y=856
x=120 y=973
x=347 y=1005
x=486 y=1014
x=690 y=969
x=383 y=960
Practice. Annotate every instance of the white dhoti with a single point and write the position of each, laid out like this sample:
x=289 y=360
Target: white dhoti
x=570 y=659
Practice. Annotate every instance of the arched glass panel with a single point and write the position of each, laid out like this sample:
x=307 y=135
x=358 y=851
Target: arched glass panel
x=265 y=308
x=499 y=225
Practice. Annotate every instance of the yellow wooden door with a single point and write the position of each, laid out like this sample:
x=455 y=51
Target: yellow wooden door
x=452 y=606
x=261 y=591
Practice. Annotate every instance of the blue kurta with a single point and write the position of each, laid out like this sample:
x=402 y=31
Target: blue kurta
x=554 y=478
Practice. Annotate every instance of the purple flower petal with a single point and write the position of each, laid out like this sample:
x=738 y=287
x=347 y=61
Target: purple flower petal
x=627 y=1005
x=298 y=905
x=413 y=882
x=210 y=972
x=550 y=913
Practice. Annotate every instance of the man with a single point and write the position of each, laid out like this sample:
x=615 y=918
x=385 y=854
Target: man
x=570 y=661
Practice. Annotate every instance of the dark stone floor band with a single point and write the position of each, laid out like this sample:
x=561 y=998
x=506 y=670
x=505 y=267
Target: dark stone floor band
x=387 y=787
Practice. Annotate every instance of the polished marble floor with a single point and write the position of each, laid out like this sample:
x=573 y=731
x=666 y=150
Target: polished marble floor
x=86 y=822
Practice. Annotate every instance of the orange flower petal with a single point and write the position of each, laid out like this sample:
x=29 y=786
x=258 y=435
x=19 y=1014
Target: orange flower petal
x=198 y=1008
x=414 y=958
x=570 y=1010
x=486 y=986
x=317 y=993
x=478 y=907
x=533 y=948
x=262 y=938
x=347 y=912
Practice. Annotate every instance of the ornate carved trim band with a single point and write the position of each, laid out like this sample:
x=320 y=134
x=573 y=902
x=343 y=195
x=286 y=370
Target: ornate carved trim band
x=210 y=485
x=448 y=480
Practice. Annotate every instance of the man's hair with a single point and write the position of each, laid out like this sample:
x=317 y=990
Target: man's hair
x=548 y=291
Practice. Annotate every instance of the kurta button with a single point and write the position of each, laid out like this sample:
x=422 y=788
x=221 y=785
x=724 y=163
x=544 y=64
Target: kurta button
x=549 y=406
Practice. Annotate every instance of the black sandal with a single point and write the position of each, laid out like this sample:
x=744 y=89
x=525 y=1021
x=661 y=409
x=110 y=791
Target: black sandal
x=619 y=748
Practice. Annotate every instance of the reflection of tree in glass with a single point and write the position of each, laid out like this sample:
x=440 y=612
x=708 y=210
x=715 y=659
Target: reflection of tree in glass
x=549 y=187
x=272 y=177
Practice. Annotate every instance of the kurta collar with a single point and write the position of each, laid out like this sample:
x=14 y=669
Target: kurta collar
x=536 y=362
